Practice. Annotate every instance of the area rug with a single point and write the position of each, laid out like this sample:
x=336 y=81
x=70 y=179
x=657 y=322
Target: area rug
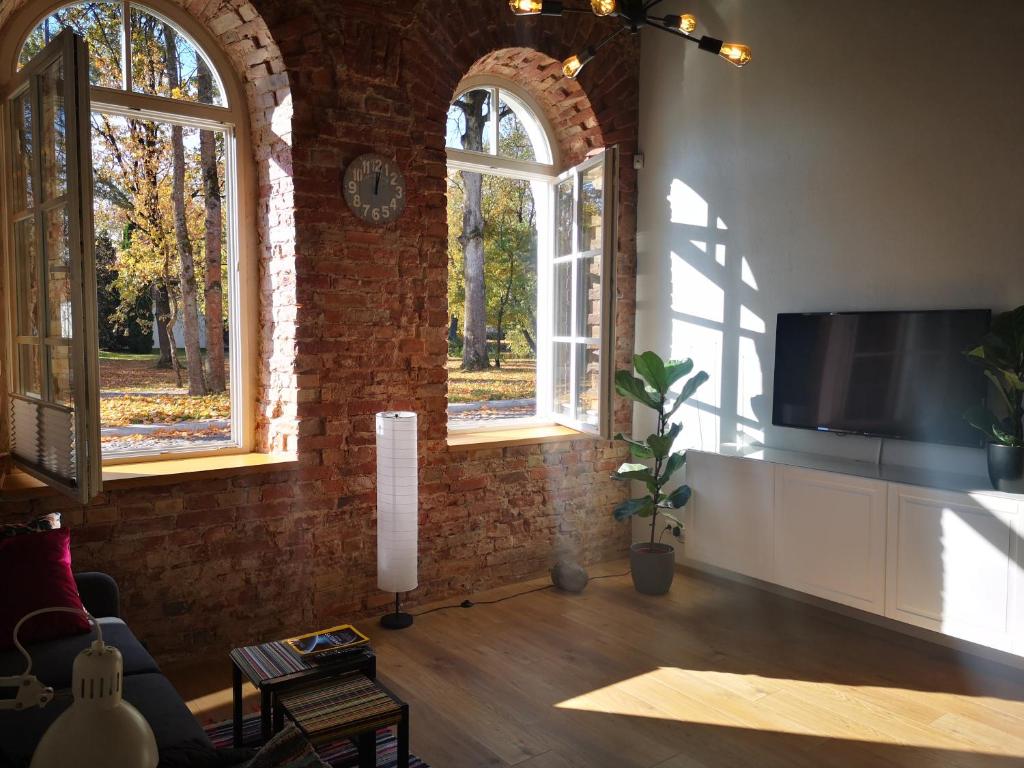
x=341 y=754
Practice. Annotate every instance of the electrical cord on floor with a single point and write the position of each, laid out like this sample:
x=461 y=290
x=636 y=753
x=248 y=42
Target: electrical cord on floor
x=471 y=603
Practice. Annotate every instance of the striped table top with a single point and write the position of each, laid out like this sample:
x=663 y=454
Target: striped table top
x=343 y=705
x=267 y=662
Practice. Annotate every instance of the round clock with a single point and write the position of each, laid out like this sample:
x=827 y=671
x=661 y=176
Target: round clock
x=374 y=189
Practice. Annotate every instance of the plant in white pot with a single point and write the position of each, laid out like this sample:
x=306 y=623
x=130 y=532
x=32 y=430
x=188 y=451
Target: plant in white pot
x=653 y=563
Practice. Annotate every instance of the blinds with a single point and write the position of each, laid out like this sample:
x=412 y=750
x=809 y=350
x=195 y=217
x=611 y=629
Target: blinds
x=43 y=435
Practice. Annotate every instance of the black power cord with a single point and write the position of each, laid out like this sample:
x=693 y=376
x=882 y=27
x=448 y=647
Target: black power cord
x=471 y=604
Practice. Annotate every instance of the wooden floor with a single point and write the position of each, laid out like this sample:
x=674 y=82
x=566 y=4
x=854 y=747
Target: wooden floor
x=714 y=675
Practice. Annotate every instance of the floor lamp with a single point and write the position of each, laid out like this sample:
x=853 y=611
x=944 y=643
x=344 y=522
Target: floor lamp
x=397 y=510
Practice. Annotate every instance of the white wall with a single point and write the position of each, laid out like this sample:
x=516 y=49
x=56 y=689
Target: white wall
x=870 y=157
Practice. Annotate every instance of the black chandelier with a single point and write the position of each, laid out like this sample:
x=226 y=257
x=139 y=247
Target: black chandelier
x=634 y=14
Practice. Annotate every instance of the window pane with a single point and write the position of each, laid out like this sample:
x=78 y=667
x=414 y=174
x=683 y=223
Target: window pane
x=166 y=63
x=54 y=129
x=21 y=117
x=28 y=369
x=469 y=122
x=588 y=384
x=520 y=133
x=562 y=400
x=100 y=25
x=58 y=278
x=563 y=217
x=592 y=208
x=563 y=299
x=588 y=297
x=144 y=406
x=61 y=378
x=513 y=138
x=27 y=261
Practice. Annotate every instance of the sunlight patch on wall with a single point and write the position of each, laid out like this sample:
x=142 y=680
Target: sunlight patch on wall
x=747 y=274
x=699 y=416
x=695 y=294
x=687 y=206
x=802 y=707
x=750 y=388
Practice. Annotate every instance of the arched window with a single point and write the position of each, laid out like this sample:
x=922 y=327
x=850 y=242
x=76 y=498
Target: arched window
x=135 y=98
x=530 y=251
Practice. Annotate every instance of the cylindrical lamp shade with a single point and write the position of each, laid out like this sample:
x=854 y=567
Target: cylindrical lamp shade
x=397 y=501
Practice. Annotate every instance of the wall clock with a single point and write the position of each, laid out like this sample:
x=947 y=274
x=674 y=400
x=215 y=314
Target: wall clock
x=374 y=189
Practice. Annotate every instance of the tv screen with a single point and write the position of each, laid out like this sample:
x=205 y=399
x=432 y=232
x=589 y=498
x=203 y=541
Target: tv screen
x=885 y=374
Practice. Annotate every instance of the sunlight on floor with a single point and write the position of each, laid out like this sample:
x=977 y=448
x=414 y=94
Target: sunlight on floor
x=897 y=716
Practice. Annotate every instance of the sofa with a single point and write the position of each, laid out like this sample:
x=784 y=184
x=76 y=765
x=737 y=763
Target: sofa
x=179 y=737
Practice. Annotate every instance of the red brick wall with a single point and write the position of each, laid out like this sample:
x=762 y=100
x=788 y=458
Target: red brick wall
x=354 y=321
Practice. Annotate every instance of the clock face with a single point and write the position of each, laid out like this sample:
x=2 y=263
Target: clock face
x=374 y=189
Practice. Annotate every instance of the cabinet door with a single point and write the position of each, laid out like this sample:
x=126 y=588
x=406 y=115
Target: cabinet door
x=830 y=536
x=953 y=563
x=730 y=515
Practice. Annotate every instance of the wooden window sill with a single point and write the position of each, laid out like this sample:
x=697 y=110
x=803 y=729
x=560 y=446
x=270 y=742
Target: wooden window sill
x=502 y=438
x=19 y=485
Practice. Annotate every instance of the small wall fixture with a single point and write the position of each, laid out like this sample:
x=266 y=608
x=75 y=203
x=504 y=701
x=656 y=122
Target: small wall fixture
x=634 y=15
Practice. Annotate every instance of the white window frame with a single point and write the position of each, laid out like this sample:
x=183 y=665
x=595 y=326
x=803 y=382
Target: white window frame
x=545 y=179
x=232 y=120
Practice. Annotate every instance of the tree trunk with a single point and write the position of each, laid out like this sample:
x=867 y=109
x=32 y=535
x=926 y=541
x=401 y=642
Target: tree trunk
x=474 y=346
x=162 y=309
x=214 y=293
x=189 y=291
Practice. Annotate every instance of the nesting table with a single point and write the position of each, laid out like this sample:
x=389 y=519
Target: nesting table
x=274 y=668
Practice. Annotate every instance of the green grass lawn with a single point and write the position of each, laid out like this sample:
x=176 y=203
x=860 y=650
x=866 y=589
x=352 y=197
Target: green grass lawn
x=515 y=380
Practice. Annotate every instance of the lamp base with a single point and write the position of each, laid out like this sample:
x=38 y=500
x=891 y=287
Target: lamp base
x=396 y=620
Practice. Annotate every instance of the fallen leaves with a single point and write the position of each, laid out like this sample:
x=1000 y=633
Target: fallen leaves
x=162 y=409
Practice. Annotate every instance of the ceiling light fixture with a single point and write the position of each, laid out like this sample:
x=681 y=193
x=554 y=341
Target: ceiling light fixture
x=634 y=15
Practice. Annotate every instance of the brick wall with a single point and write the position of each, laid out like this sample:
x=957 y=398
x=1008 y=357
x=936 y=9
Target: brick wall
x=354 y=321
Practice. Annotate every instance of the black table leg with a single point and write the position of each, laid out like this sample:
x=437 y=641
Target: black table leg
x=403 y=739
x=278 y=718
x=265 y=709
x=236 y=706
x=366 y=743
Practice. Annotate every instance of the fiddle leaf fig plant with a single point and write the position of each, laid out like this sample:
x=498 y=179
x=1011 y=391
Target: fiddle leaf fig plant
x=1001 y=354
x=653 y=389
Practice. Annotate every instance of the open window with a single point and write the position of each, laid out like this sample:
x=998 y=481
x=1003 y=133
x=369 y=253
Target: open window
x=51 y=285
x=581 y=279
x=530 y=279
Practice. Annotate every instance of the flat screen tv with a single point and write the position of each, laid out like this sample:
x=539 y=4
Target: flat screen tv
x=884 y=374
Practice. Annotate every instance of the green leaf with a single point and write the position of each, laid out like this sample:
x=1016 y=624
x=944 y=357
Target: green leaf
x=676 y=369
x=652 y=369
x=628 y=385
x=639 y=472
x=642 y=506
x=680 y=497
x=674 y=463
x=637 y=449
x=692 y=385
x=660 y=445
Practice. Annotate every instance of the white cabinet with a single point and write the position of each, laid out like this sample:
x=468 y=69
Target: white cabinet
x=830 y=536
x=954 y=564
x=729 y=517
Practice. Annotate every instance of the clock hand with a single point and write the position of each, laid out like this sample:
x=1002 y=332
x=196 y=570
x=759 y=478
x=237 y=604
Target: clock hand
x=376 y=185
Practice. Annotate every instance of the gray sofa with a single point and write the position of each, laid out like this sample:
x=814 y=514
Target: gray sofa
x=179 y=736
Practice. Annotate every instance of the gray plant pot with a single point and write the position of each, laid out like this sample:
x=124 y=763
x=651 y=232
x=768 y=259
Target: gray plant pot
x=1006 y=468
x=652 y=568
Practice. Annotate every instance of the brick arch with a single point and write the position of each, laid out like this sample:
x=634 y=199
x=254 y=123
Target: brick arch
x=562 y=100
x=245 y=40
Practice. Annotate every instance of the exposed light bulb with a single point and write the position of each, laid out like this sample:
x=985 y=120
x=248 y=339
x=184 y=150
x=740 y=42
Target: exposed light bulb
x=525 y=7
x=685 y=23
x=534 y=7
x=604 y=7
x=572 y=66
x=735 y=53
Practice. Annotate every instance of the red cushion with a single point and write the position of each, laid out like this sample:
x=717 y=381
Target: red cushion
x=35 y=570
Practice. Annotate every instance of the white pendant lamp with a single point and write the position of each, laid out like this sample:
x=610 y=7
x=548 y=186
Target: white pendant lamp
x=397 y=510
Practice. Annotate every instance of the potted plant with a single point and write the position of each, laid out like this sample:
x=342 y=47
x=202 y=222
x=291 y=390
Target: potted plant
x=1001 y=353
x=653 y=563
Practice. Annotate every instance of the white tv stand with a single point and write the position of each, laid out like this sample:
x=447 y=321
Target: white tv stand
x=932 y=549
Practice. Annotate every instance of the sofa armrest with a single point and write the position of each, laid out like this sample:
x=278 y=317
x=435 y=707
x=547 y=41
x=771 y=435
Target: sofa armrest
x=99 y=594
